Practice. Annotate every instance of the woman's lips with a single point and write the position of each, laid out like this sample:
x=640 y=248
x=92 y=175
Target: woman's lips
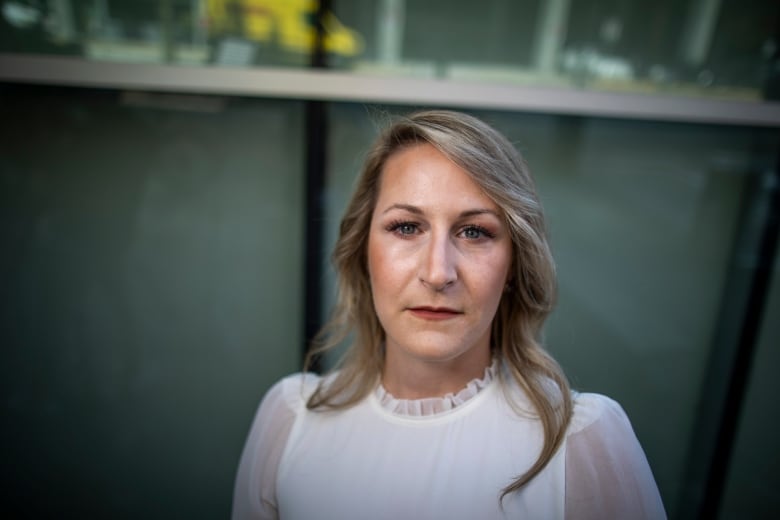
x=434 y=313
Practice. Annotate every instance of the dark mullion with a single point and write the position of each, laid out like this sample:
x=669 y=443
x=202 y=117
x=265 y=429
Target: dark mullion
x=316 y=162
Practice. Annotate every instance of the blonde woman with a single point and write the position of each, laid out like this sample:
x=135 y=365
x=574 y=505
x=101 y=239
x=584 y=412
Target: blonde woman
x=446 y=405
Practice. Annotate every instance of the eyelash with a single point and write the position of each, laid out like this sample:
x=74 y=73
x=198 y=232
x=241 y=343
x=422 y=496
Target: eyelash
x=396 y=226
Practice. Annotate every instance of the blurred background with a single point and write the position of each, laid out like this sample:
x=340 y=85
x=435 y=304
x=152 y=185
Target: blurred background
x=172 y=175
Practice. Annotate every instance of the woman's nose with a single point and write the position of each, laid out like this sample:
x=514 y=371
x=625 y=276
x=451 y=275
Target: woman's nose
x=437 y=269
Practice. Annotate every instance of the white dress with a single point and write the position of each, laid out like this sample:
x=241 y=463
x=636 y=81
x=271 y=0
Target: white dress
x=439 y=458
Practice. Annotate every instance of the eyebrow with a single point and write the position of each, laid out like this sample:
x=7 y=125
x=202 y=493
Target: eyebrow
x=464 y=214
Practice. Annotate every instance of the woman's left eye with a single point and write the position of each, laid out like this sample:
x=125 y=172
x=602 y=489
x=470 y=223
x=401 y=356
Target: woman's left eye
x=476 y=232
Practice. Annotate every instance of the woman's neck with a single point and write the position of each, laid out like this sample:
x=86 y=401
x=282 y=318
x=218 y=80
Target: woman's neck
x=413 y=378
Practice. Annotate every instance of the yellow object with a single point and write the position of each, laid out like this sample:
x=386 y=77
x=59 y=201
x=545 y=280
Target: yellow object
x=288 y=22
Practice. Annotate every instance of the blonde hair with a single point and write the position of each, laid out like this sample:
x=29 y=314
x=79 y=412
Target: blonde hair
x=496 y=166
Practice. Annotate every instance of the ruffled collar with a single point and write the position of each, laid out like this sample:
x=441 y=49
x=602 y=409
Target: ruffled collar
x=435 y=405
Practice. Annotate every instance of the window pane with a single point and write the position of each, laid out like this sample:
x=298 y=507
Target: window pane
x=151 y=275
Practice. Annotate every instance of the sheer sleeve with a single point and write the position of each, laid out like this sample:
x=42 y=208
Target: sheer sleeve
x=607 y=474
x=254 y=496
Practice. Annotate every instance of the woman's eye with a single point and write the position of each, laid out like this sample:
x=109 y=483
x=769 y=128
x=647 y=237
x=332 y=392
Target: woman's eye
x=404 y=228
x=476 y=232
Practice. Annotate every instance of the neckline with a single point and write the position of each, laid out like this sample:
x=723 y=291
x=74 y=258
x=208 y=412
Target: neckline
x=433 y=406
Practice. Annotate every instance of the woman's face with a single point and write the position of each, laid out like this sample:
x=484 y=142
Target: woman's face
x=439 y=254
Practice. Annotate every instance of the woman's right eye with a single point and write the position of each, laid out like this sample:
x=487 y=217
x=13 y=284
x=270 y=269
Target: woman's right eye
x=404 y=228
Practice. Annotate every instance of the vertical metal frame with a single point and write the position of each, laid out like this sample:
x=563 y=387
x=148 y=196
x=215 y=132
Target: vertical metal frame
x=316 y=128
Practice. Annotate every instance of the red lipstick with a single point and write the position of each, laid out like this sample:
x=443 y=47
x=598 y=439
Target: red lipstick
x=434 y=313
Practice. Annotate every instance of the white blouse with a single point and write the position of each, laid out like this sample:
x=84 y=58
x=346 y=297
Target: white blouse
x=438 y=458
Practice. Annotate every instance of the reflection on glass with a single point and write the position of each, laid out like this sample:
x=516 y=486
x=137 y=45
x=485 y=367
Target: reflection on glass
x=712 y=48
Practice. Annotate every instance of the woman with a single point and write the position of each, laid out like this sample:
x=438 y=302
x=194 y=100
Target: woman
x=446 y=404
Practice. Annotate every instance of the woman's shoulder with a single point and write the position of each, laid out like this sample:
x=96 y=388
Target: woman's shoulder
x=596 y=411
x=607 y=473
x=292 y=391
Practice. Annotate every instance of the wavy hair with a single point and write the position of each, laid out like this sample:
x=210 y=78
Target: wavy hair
x=497 y=167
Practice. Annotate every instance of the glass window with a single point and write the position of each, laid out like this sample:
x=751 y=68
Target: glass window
x=151 y=271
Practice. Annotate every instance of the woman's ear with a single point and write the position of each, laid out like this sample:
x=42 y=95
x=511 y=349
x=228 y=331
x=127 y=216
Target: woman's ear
x=509 y=284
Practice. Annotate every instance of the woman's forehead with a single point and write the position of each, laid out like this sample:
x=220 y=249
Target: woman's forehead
x=422 y=176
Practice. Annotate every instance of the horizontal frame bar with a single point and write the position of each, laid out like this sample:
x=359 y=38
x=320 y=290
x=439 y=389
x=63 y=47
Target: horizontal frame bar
x=343 y=86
